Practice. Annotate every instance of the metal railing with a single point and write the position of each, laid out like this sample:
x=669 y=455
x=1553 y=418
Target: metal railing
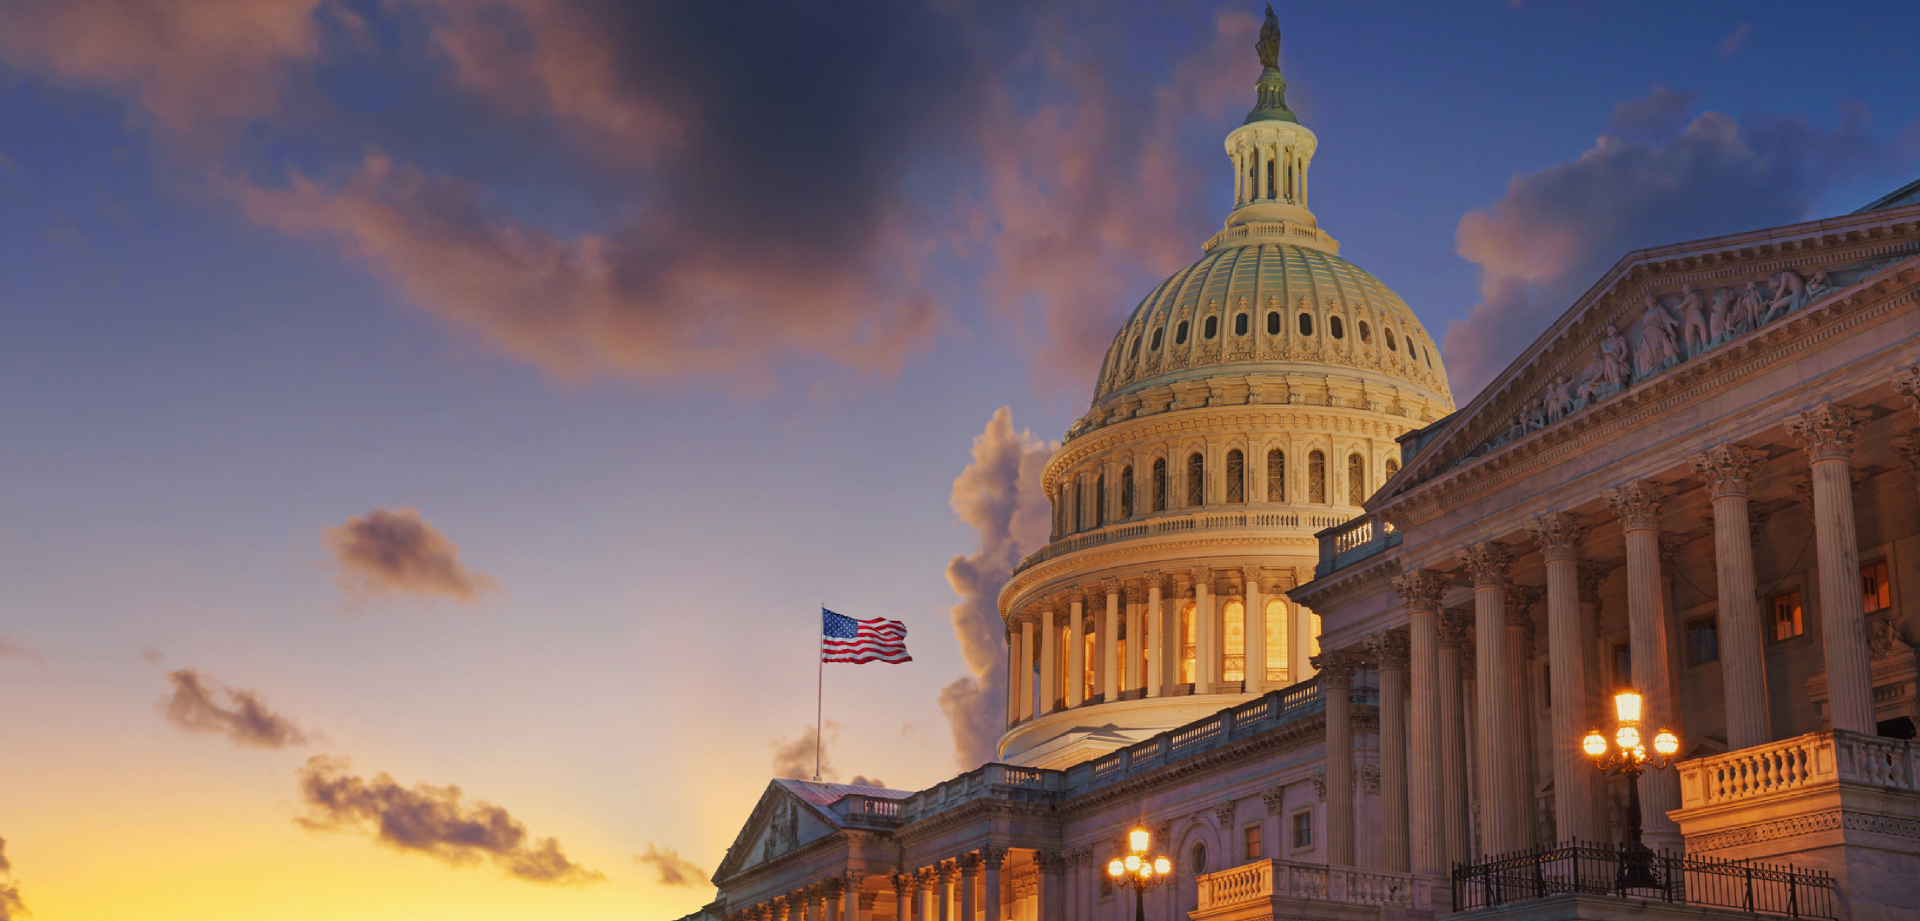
x=1603 y=869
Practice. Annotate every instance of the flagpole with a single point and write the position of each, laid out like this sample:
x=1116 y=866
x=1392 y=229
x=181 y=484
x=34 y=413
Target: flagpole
x=820 y=690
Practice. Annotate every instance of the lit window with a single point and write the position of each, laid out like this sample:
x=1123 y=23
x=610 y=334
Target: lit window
x=1126 y=493
x=1251 y=835
x=1703 y=641
x=1356 y=479
x=1875 y=592
x=1236 y=476
x=1786 y=616
x=1302 y=830
x=1316 y=477
x=1186 y=644
x=1276 y=615
x=1366 y=333
x=1234 y=667
x=1276 y=476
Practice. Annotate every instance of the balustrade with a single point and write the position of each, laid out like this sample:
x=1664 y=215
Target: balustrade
x=1175 y=524
x=1263 y=880
x=1790 y=764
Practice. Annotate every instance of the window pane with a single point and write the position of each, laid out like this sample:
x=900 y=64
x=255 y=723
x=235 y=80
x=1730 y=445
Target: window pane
x=1786 y=616
x=1276 y=615
x=1703 y=641
x=1875 y=592
x=1235 y=667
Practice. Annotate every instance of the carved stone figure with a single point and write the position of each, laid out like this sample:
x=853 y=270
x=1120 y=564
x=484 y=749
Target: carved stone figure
x=1748 y=309
x=1788 y=289
x=1817 y=287
x=1693 y=320
x=1657 y=351
x=1613 y=372
x=1268 y=47
x=1536 y=415
x=1559 y=398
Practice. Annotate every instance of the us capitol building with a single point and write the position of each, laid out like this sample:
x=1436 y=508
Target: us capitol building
x=1337 y=646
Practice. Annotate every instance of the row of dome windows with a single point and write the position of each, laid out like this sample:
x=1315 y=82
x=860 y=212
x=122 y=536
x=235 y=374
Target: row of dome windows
x=1335 y=328
x=1069 y=509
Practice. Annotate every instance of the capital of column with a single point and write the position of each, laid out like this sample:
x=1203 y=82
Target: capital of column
x=1051 y=863
x=1727 y=469
x=1827 y=431
x=1487 y=563
x=904 y=885
x=1519 y=605
x=969 y=864
x=1454 y=630
x=1110 y=585
x=1638 y=504
x=1907 y=384
x=1250 y=578
x=1389 y=649
x=1558 y=534
x=868 y=898
x=1421 y=589
x=1202 y=575
x=1591 y=575
x=929 y=877
x=831 y=887
x=1336 y=667
x=992 y=857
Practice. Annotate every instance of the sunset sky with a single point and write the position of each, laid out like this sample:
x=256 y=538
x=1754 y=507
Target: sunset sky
x=410 y=395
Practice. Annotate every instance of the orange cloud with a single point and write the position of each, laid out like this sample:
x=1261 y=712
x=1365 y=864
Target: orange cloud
x=400 y=553
x=200 y=705
x=673 y=869
x=11 y=906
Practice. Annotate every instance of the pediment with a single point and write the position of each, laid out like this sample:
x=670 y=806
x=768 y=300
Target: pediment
x=1657 y=310
x=781 y=822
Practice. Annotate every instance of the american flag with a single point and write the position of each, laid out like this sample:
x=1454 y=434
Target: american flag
x=843 y=639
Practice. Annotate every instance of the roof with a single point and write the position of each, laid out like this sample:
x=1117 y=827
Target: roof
x=824 y=795
x=1908 y=194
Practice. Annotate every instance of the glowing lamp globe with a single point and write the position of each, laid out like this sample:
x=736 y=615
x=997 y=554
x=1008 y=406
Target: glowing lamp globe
x=1594 y=744
x=1627 y=737
x=1666 y=743
x=1116 y=869
x=1163 y=866
x=1133 y=862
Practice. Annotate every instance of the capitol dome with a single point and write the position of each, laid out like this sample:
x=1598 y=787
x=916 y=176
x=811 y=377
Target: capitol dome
x=1250 y=401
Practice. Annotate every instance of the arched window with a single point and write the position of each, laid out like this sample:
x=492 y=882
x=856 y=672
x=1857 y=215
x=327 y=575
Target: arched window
x=1388 y=332
x=1079 y=513
x=1233 y=665
x=1154 y=346
x=1356 y=479
x=1236 y=476
x=1100 y=501
x=1089 y=656
x=1317 y=478
x=1160 y=484
x=1366 y=333
x=1276 y=476
x=1427 y=356
x=1306 y=324
x=1196 y=479
x=1240 y=324
x=1393 y=467
x=1273 y=322
x=1334 y=329
x=1180 y=333
x=1126 y=493
x=1272 y=187
x=1276 y=615
x=1133 y=354
x=1212 y=328
x=1186 y=643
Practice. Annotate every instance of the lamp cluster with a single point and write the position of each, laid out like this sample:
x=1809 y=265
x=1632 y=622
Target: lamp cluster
x=1136 y=869
x=1628 y=753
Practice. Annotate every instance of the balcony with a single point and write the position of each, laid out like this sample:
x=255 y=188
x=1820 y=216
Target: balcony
x=1282 y=888
x=1346 y=544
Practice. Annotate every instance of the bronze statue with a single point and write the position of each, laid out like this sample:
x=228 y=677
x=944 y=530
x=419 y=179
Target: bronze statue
x=1269 y=44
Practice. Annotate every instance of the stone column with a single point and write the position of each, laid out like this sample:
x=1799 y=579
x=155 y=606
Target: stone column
x=1110 y=643
x=1827 y=433
x=944 y=873
x=1639 y=504
x=1205 y=660
x=833 y=889
x=1013 y=677
x=929 y=885
x=1053 y=886
x=1049 y=657
x=1599 y=701
x=1156 y=636
x=1256 y=634
x=1131 y=678
x=1336 y=689
x=904 y=888
x=1559 y=535
x=1426 y=818
x=1025 y=683
x=1519 y=690
x=992 y=857
x=1728 y=472
x=1496 y=745
x=1076 y=649
x=969 y=879
x=1389 y=650
x=1458 y=826
x=855 y=896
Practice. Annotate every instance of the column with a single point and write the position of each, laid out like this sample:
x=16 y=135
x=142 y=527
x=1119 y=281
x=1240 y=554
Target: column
x=1638 y=504
x=1599 y=698
x=817 y=901
x=1053 y=885
x=855 y=895
x=1156 y=636
x=1110 y=643
x=1728 y=472
x=1389 y=650
x=1421 y=589
x=1256 y=667
x=929 y=878
x=1827 y=433
x=1049 y=655
x=1076 y=649
x=1013 y=677
x=943 y=874
x=1559 y=535
x=905 y=887
x=969 y=878
x=990 y=860
x=1453 y=740
x=1486 y=563
x=1336 y=689
x=1519 y=690
x=1025 y=676
x=1205 y=665
x=833 y=889
x=1131 y=679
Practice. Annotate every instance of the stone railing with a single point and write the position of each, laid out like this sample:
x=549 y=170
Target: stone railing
x=1789 y=764
x=1348 y=543
x=1262 y=881
x=1215 y=520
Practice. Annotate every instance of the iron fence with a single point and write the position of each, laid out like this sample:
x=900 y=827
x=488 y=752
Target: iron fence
x=1606 y=869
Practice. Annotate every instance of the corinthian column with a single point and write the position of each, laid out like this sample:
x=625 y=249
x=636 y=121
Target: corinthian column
x=1049 y=657
x=1255 y=670
x=1110 y=643
x=1206 y=658
x=1519 y=670
x=990 y=860
x=1728 y=472
x=969 y=877
x=1013 y=677
x=1497 y=741
x=1639 y=504
x=1453 y=741
x=1156 y=630
x=1336 y=688
x=1024 y=684
x=1426 y=819
x=1389 y=650
x=1076 y=649
x=1827 y=432
x=1558 y=535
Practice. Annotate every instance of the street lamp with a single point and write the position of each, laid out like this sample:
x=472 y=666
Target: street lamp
x=1628 y=757
x=1138 y=872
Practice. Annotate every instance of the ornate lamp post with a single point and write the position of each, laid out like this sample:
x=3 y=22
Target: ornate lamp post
x=1628 y=757
x=1137 y=871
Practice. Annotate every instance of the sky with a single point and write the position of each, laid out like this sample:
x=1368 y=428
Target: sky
x=431 y=427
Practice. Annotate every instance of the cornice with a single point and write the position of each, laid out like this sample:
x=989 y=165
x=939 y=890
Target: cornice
x=1254 y=419
x=1092 y=559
